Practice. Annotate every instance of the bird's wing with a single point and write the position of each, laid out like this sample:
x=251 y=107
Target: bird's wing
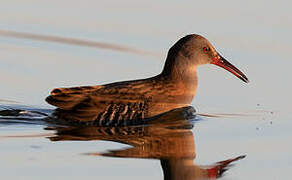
x=67 y=98
x=103 y=104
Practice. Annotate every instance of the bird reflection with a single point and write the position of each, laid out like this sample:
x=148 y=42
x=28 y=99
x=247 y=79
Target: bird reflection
x=168 y=138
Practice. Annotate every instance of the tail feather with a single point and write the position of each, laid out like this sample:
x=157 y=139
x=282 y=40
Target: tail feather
x=80 y=89
x=67 y=98
x=63 y=101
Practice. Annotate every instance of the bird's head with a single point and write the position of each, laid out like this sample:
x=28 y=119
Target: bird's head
x=194 y=50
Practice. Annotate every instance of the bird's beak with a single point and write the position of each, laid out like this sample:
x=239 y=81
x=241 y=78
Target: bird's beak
x=222 y=62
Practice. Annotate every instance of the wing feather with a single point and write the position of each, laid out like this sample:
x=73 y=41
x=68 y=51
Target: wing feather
x=108 y=104
x=67 y=98
x=102 y=105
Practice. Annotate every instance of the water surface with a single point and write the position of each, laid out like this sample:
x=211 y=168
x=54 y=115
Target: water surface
x=236 y=118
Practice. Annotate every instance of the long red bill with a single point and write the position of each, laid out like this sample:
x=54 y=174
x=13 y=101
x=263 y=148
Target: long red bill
x=220 y=61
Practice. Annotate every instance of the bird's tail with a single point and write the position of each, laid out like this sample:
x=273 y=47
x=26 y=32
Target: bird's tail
x=67 y=98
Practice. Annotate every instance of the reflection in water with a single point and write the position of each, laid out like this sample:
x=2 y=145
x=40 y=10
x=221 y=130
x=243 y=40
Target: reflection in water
x=168 y=138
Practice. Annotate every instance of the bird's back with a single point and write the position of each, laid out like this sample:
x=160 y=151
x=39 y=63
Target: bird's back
x=105 y=105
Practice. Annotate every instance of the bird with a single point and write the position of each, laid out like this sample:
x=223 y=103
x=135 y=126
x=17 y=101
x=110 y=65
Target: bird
x=121 y=103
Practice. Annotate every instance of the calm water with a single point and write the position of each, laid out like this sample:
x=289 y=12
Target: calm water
x=129 y=40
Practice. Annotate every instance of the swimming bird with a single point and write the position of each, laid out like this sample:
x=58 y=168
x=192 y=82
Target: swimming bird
x=121 y=102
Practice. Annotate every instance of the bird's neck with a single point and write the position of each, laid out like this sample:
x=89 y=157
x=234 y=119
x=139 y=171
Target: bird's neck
x=179 y=71
x=187 y=77
x=182 y=76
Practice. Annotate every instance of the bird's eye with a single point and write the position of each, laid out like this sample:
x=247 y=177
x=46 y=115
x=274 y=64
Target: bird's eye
x=206 y=49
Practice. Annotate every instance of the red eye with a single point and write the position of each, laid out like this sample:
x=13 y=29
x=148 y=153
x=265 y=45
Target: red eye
x=206 y=49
